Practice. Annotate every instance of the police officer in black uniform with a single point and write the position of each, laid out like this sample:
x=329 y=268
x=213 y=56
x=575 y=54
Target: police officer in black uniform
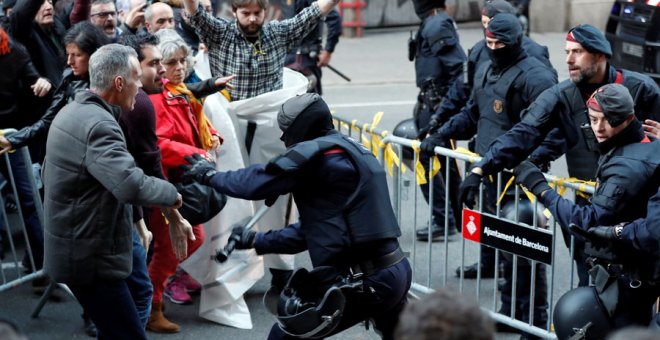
x=628 y=176
x=563 y=107
x=309 y=56
x=451 y=105
x=503 y=88
x=439 y=60
x=346 y=217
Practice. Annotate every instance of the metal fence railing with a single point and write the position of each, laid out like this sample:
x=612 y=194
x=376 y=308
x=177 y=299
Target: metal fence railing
x=550 y=270
x=21 y=231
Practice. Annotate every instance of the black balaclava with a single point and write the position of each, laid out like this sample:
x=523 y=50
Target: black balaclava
x=303 y=118
x=507 y=29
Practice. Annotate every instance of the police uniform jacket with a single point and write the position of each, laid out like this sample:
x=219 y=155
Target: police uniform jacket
x=498 y=100
x=477 y=57
x=560 y=107
x=439 y=57
x=628 y=175
x=340 y=191
x=91 y=180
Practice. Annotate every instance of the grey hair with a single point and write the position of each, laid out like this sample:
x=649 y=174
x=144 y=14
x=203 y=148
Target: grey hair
x=108 y=62
x=170 y=43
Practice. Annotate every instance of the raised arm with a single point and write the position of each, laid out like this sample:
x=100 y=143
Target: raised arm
x=325 y=5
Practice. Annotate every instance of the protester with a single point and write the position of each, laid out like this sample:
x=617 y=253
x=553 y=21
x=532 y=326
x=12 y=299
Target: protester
x=86 y=151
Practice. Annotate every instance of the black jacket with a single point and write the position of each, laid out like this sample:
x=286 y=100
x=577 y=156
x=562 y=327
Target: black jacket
x=46 y=47
x=18 y=73
x=63 y=95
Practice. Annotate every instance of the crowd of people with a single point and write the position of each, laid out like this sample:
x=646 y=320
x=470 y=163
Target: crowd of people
x=105 y=97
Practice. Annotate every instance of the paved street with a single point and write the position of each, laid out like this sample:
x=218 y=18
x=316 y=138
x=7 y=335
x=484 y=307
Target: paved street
x=382 y=80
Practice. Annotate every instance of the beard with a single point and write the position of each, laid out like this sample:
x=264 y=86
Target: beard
x=586 y=73
x=250 y=30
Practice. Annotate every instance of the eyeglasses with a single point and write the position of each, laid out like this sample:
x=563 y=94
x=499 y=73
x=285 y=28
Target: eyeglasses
x=104 y=15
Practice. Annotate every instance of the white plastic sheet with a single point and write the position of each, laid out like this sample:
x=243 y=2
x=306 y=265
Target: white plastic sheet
x=224 y=285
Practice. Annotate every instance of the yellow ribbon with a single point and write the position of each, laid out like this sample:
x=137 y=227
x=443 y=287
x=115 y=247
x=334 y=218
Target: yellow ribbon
x=420 y=173
x=391 y=158
x=375 y=141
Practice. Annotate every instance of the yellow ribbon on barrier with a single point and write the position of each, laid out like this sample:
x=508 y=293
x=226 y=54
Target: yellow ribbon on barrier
x=420 y=173
x=436 y=166
x=375 y=141
x=391 y=158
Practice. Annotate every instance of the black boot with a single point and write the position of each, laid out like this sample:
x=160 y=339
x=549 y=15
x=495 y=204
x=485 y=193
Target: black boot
x=437 y=232
x=470 y=272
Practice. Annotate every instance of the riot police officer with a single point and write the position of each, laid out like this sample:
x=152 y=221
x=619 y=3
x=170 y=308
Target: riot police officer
x=346 y=218
x=439 y=60
x=627 y=177
x=309 y=55
x=563 y=106
x=504 y=87
x=477 y=56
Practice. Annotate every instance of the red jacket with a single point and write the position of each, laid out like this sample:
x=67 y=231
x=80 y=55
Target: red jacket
x=176 y=128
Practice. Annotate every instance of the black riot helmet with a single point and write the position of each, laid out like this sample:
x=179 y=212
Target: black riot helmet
x=406 y=129
x=579 y=314
x=304 y=117
x=307 y=309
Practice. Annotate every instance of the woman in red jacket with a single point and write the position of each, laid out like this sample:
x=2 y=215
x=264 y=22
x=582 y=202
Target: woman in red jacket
x=182 y=129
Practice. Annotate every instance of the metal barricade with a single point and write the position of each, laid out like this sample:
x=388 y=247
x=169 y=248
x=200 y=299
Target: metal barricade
x=17 y=236
x=427 y=259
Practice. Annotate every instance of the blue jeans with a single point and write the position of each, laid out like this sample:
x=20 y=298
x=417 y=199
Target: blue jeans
x=20 y=171
x=110 y=305
x=139 y=283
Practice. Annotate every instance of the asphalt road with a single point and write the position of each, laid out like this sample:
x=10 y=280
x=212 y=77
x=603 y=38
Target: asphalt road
x=382 y=80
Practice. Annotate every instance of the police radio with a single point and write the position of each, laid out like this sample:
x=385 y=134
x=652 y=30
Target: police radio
x=412 y=46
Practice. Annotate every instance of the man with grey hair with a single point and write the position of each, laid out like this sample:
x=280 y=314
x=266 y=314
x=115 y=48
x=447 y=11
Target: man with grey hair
x=91 y=180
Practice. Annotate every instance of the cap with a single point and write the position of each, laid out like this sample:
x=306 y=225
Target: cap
x=293 y=107
x=591 y=38
x=506 y=28
x=423 y=7
x=492 y=7
x=614 y=101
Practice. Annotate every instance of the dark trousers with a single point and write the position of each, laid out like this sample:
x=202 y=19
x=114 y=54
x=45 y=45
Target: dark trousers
x=383 y=306
x=139 y=283
x=110 y=305
x=21 y=171
x=440 y=189
x=635 y=305
x=523 y=269
x=523 y=296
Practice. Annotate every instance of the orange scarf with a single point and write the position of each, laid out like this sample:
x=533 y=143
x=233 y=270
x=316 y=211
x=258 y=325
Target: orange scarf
x=203 y=124
x=4 y=42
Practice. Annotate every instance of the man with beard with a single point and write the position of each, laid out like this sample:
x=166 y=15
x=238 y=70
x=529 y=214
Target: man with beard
x=253 y=51
x=503 y=88
x=103 y=14
x=563 y=106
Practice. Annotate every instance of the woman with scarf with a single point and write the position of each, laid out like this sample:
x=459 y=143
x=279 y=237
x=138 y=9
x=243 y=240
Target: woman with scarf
x=182 y=128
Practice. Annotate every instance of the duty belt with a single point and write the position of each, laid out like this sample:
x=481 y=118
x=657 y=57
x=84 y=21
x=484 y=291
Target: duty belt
x=369 y=267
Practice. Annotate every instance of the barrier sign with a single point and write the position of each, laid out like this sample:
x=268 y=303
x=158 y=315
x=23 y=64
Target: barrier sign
x=505 y=235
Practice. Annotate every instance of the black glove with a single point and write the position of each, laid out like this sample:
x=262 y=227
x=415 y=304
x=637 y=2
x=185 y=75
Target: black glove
x=430 y=128
x=431 y=142
x=469 y=189
x=244 y=239
x=531 y=177
x=605 y=233
x=200 y=169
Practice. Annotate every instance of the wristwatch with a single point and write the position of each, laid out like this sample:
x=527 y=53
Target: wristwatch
x=617 y=231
